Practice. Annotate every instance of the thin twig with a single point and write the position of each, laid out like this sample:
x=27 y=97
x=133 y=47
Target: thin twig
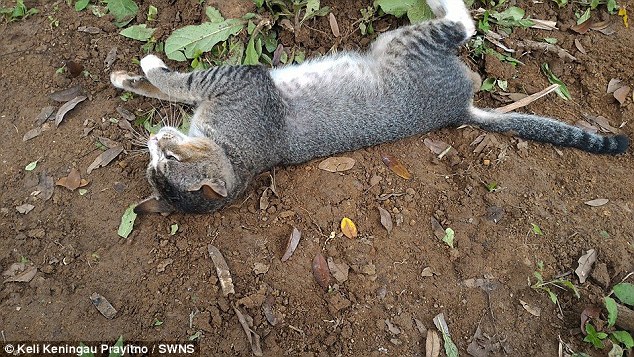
x=526 y=101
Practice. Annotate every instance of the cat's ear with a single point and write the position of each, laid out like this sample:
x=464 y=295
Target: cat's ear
x=153 y=205
x=213 y=190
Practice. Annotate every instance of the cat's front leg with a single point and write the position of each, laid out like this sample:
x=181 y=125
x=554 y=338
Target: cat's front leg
x=136 y=84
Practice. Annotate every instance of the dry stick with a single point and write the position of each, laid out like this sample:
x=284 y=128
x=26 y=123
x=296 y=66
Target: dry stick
x=547 y=47
x=625 y=317
x=526 y=101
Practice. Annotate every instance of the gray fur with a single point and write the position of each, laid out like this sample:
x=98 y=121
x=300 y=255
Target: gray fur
x=409 y=82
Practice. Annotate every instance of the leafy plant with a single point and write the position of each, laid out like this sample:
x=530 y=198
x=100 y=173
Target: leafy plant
x=559 y=283
x=416 y=10
x=594 y=337
x=138 y=32
x=123 y=11
x=536 y=230
x=562 y=91
x=18 y=12
x=488 y=85
x=81 y=5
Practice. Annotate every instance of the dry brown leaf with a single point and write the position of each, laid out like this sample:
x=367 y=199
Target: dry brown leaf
x=338 y=271
x=123 y=124
x=544 y=24
x=32 y=133
x=602 y=122
x=396 y=166
x=427 y=272
x=110 y=58
x=386 y=219
x=45 y=113
x=89 y=29
x=267 y=309
x=334 y=27
x=126 y=114
x=46 y=186
x=597 y=202
x=264 y=199
x=292 y=243
x=67 y=94
x=582 y=28
x=109 y=143
x=67 y=107
x=25 y=208
x=585 y=265
x=277 y=55
x=348 y=228
x=246 y=322
x=104 y=307
x=321 y=271
x=535 y=311
x=337 y=164
x=586 y=126
x=432 y=344
x=104 y=158
x=613 y=85
x=19 y=272
x=436 y=146
x=580 y=47
x=72 y=181
x=482 y=345
x=222 y=270
x=438 y=230
x=621 y=94
x=590 y=312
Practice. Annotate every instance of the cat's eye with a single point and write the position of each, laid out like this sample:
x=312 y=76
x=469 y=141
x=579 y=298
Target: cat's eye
x=169 y=156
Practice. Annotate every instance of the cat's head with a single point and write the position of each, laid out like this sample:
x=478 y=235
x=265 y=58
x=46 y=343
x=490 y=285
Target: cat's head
x=188 y=174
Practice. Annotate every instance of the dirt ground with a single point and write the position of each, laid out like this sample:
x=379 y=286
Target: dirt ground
x=154 y=276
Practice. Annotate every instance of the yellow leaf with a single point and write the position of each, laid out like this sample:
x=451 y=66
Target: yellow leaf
x=623 y=13
x=348 y=228
x=396 y=166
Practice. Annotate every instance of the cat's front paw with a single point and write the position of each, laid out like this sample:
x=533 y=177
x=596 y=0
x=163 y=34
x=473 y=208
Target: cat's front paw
x=151 y=62
x=124 y=80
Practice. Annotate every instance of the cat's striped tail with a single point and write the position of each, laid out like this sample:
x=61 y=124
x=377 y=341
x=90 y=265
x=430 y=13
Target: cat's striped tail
x=533 y=127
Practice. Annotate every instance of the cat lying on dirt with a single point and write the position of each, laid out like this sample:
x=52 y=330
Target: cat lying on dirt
x=251 y=118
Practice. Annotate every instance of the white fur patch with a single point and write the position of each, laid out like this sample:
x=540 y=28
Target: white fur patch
x=455 y=10
x=151 y=62
x=117 y=78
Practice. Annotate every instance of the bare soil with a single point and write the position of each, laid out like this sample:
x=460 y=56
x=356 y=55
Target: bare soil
x=72 y=239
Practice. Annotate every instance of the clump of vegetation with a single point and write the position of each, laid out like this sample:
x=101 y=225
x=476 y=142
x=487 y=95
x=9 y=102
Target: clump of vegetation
x=17 y=12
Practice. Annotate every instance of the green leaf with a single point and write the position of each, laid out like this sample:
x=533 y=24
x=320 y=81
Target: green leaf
x=562 y=91
x=553 y=297
x=81 y=4
x=536 y=230
x=82 y=191
x=612 y=6
x=550 y=40
x=123 y=11
x=173 y=229
x=610 y=305
x=449 y=236
x=183 y=43
x=119 y=347
x=127 y=222
x=504 y=85
x=31 y=166
x=593 y=336
x=624 y=337
x=236 y=52
x=214 y=15
x=258 y=3
x=416 y=10
x=491 y=187
x=584 y=17
x=157 y=322
x=152 y=11
x=252 y=57
x=312 y=6
x=138 y=32
x=561 y=3
x=594 y=4
x=571 y=286
x=625 y=293
x=419 y=12
x=488 y=85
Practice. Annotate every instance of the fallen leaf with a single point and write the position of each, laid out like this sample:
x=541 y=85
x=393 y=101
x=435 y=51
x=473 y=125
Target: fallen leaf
x=109 y=143
x=581 y=28
x=321 y=271
x=386 y=219
x=246 y=322
x=393 y=329
x=45 y=113
x=104 y=307
x=46 y=186
x=438 y=230
x=89 y=29
x=264 y=199
x=66 y=107
x=625 y=293
x=173 y=229
x=450 y=347
x=621 y=94
x=72 y=181
x=613 y=85
x=481 y=345
x=348 y=228
x=338 y=271
x=623 y=13
x=597 y=202
x=260 y=268
x=427 y=272
x=334 y=27
x=535 y=311
x=20 y=273
x=337 y=164
x=110 y=58
x=127 y=222
x=585 y=265
x=292 y=243
x=602 y=122
x=436 y=146
x=104 y=158
x=449 y=237
x=580 y=47
x=432 y=344
x=25 y=208
x=586 y=126
x=32 y=133
x=277 y=55
x=395 y=165
x=31 y=166
x=590 y=312
x=126 y=114
x=66 y=94
x=267 y=309
x=222 y=270
x=494 y=214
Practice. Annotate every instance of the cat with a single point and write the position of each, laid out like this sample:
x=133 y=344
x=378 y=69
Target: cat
x=251 y=118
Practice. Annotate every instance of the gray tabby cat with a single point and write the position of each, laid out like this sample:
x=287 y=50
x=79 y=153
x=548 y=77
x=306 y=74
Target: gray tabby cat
x=250 y=118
